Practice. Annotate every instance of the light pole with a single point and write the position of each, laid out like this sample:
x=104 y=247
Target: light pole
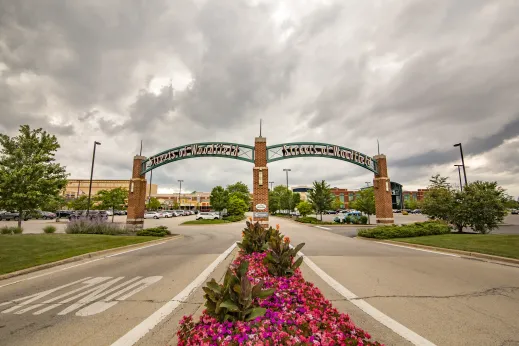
x=179 y=192
x=151 y=180
x=459 y=173
x=271 y=183
x=462 y=162
x=288 y=194
x=367 y=183
x=91 y=175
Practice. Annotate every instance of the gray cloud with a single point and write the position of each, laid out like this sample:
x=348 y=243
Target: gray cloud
x=419 y=77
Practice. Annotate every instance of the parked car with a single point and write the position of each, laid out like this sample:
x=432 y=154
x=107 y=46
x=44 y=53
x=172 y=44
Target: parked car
x=515 y=212
x=110 y=213
x=64 y=213
x=415 y=211
x=205 y=215
x=167 y=214
x=99 y=215
x=152 y=215
x=396 y=211
x=13 y=216
x=331 y=212
x=181 y=212
x=295 y=213
x=351 y=214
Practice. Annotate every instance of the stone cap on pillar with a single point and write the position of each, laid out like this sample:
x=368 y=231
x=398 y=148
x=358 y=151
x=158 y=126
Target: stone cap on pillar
x=379 y=156
x=139 y=157
x=260 y=139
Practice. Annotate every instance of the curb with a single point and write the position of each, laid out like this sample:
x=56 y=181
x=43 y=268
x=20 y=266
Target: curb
x=447 y=250
x=84 y=256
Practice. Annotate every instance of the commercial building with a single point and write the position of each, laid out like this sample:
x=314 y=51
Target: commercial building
x=78 y=187
x=189 y=201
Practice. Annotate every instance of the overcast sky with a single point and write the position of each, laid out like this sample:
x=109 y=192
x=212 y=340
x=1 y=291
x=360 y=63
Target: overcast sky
x=417 y=75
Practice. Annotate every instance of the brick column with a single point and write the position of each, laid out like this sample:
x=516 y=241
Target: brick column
x=260 y=186
x=136 y=195
x=382 y=186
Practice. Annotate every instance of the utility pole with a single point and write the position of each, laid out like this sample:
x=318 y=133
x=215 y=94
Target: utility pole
x=459 y=174
x=179 y=192
x=462 y=162
x=288 y=191
x=91 y=175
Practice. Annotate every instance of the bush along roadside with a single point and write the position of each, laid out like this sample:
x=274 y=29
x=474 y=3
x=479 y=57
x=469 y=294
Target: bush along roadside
x=49 y=229
x=11 y=230
x=160 y=231
x=312 y=220
x=265 y=300
x=85 y=226
x=416 y=229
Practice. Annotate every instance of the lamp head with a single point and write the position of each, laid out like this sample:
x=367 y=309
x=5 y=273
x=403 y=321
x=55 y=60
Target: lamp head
x=457 y=145
x=97 y=143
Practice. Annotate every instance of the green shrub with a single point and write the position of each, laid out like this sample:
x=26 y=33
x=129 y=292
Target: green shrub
x=11 y=230
x=49 y=229
x=255 y=238
x=234 y=218
x=364 y=220
x=405 y=213
x=280 y=259
x=307 y=219
x=417 y=229
x=237 y=299
x=160 y=231
x=347 y=219
x=84 y=226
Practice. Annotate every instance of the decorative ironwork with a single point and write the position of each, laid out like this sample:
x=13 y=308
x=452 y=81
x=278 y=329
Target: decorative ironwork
x=207 y=149
x=313 y=149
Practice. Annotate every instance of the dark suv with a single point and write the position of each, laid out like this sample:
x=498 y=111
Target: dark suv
x=12 y=216
x=92 y=215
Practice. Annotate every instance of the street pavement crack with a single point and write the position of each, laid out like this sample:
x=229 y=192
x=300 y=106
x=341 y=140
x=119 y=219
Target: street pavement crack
x=497 y=291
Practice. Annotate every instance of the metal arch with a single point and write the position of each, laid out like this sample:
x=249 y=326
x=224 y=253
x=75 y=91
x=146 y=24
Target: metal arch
x=218 y=149
x=314 y=149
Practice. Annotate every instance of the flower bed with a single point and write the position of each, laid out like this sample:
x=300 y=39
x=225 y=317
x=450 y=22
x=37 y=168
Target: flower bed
x=296 y=314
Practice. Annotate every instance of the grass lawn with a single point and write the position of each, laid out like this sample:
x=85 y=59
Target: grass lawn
x=490 y=244
x=205 y=222
x=23 y=251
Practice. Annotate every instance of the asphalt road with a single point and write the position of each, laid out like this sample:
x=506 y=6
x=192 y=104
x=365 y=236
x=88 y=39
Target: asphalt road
x=444 y=299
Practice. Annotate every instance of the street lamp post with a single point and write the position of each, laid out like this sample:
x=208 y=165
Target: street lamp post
x=459 y=174
x=271 y=183
x=462 y=162
x=179 y=192
x=91 y=175
x=288 y=194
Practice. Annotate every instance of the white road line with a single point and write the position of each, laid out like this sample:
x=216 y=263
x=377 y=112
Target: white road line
x=418 y=249
x=387 y=321
x=154 y=319
x=321 y=227
x=80 y=264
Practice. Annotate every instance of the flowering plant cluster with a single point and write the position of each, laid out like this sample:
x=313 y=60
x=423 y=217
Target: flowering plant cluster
x=296 y=314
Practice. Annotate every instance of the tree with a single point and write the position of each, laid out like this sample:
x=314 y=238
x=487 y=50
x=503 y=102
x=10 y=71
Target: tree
x=29 y=175
x=485 y=205
x=336 y=204
x=176 y=205
x=280 y=198
x=80 y=203
x=237 y=206
x=153 y=204
x=320 y=196
x=411 y=204
x=438 y=181
x=240 y=190
x=54 y=204
x=112 y=199
x=296 y=199
x=304 y=208
x=438 y=201
x=365 y=202
x=273 y=201
x=219 y=198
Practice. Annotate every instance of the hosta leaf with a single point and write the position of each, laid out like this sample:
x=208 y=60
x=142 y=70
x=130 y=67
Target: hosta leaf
x=266 y=293
x=229 y=306
x=297 y=263
x=256 y=312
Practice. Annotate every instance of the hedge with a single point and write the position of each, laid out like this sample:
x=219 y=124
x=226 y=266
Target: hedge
x=160 y=231
x=417 y=229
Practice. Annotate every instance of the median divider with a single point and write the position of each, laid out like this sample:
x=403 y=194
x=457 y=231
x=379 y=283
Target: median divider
x=101 y=253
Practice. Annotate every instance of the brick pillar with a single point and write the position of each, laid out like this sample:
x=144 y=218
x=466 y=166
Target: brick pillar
x=260 y=186
x=382 y=185
x=137 y=195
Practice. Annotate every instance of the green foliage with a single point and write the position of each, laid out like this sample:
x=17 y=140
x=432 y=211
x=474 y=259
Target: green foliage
x=113 y=199
x=440 y=182
x=11 y=230
x=255 y=238
x=280 y=259
x=296 y=199
x=281 y=199
x=54 y=204
x=336 y=204
x=312 y=220
x=236 y=206
x=85 y=226
x=417 y=229
x=49 y=229
x=363 y=220
x=304 y=208
x=237 y=299
x=29 y=175
x=234 y=218
x=241 y=191
x=365 y=202
x=347 y=219
x=412 y=204
x=160 y=231
x=484 y=206
x=510 y=203
x=153 y=204
x=219 y=198
x=80 y=203
x=437 y=203
x=273 y=201
x=321 y=197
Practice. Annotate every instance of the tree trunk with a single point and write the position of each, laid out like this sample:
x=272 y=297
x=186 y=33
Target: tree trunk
x=113 y=214
x=321 y=216
x=20 y=216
